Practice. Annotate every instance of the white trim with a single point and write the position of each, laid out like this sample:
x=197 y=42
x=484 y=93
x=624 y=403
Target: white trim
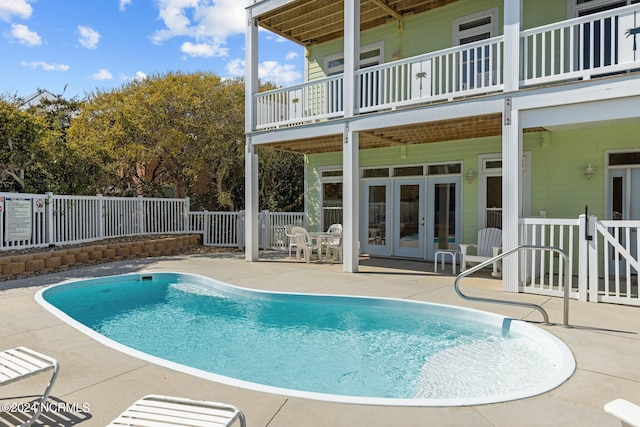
x=375 y=60
x=492 y=27
x=574 y=9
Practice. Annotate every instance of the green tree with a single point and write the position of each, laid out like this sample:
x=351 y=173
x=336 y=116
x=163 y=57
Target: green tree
x=58 y=167
x=20 y=136
x=183 y=135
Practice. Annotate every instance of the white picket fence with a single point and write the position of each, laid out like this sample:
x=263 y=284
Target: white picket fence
x=41 y=220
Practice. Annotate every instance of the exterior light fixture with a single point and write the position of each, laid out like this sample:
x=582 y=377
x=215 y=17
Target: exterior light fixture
x=589 y=171
x=471 y=176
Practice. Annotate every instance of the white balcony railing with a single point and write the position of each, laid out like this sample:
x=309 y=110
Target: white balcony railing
x=580 y=48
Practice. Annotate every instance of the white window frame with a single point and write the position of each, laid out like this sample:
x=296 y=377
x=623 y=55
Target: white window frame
x=374 y=60
x=574 y=9
x=491 y=28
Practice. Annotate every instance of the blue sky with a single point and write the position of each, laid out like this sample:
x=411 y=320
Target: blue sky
x=101 y=44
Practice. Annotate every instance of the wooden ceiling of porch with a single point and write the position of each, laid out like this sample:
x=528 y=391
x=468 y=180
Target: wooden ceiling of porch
x=423 y=133
x=310 y=22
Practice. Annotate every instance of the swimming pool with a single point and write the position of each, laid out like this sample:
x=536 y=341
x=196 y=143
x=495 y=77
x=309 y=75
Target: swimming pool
x=335 y=348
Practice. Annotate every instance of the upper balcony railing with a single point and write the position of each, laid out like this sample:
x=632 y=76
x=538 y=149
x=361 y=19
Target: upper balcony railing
x=576 y=49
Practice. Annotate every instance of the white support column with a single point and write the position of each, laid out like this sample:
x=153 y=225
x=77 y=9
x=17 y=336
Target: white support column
x=511 y=192
x=251 y=225
x=351 y=54
x=512 y=19
x=350 y=200
x=251 y=157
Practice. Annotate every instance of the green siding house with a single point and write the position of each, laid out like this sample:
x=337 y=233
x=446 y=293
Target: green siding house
x=423 y=122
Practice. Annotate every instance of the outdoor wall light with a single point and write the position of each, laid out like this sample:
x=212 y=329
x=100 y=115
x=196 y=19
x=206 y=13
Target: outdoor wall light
x=471 y=176
x=589 y=171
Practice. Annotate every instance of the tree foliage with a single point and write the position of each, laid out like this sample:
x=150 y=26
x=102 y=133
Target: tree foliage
x=178 y=134
x=167 y=135
x=20 y=136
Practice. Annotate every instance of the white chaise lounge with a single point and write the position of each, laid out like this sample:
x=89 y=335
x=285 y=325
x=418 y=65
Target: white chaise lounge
x=628 y=413
x=158 y=410
x=21 y=363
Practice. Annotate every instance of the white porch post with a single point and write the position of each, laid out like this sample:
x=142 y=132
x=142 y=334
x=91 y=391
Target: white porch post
x=351 y=53
x=350 y=143
x=511 y=146
x=511 y=193
x=251 y=157
x=512 y=18
x=350 y=200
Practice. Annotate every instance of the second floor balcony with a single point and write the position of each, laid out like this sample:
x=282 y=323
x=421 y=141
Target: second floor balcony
x=594 y=46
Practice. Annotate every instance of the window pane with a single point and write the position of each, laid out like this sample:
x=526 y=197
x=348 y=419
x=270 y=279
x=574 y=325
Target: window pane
x=377 y=214
x=408 y=171
x=494 y=202
x=616 y=159
x=331 y=204
x=376 y=173
x=444 y=169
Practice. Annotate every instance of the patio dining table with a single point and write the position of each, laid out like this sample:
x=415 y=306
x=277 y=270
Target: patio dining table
x=321 y=238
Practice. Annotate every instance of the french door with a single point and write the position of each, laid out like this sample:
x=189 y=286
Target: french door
x=443 y=214
x=409 y=218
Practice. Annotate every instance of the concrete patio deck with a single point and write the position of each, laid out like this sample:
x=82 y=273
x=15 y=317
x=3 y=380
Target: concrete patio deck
x=97 y=382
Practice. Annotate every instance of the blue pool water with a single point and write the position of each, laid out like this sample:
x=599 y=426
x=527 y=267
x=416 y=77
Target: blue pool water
x=336 y=348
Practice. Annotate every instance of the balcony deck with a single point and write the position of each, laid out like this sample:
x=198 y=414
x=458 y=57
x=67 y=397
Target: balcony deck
x=580 y=49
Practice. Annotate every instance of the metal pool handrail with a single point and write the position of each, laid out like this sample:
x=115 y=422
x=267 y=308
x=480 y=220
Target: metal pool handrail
x=484 y=264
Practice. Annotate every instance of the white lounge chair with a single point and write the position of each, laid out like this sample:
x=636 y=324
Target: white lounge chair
x=628 y=413
x=158 y=410
x=488 y=246
x=20 y=363
x=304 y=246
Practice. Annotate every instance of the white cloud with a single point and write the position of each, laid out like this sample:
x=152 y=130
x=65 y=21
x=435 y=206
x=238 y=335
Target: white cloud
x=102 y=74
x=235 y=67
x=25 y=36
x=138 y=77
x=11 y=8
x=268 y=70
x=207 y=22
x=89 y=37
x=203 y=49
x=123 y=4
x=291 y=55
x=45 y=66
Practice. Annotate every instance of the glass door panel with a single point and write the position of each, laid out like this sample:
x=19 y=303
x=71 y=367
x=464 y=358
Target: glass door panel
x=408 y=227
x=376 y=217
x=443 y=214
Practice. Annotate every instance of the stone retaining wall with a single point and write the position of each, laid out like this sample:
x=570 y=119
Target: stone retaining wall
x=55 y=259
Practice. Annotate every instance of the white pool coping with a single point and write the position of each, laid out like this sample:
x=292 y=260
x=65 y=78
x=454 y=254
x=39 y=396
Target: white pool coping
x=561 y=351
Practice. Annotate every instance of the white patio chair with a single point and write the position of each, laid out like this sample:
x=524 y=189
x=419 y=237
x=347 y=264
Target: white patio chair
x=292 y=241
x=334 y=244
x=488 y=246
x=20 y=363
x=158 y=410
x=628 y=413
x=304 y=246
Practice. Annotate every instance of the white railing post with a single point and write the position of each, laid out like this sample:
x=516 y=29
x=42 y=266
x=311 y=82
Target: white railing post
x=185 y=212
x=593 y=259
x=263 y=221
x=241 y=242
x=583 y=257
x=100 y=217
x=206 y=238
x=48 y=218
x=140 y=214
